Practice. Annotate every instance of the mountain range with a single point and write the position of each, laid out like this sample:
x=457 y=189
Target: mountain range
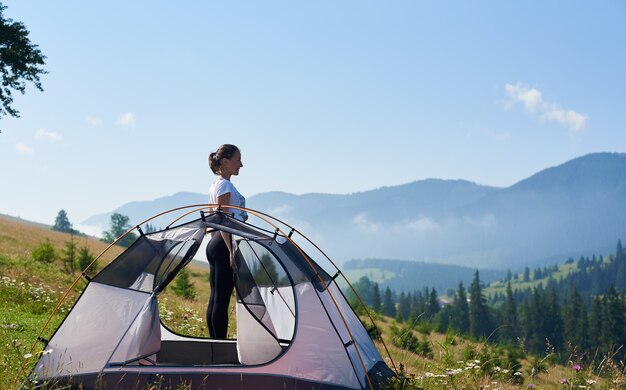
x=576 y=208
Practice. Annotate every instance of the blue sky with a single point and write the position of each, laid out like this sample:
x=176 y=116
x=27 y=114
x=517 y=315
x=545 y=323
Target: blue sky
x=324 y=96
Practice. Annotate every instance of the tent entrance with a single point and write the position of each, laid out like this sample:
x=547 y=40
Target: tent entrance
x=263 y=307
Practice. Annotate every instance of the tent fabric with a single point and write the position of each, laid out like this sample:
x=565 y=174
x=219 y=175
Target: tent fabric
x=91 y=331
x=294 y=326
x=256 y=344
x=143 y=338
x=369 y=355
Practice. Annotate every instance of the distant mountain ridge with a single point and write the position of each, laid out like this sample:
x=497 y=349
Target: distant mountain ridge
x=576 y=208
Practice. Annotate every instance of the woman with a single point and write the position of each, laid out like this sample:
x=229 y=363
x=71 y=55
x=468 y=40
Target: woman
x=225 y=163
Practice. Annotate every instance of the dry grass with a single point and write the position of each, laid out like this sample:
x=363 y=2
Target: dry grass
x=18 y=238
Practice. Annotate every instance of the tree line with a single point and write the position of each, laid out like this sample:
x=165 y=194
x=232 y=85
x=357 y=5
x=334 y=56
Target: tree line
x=581 y=314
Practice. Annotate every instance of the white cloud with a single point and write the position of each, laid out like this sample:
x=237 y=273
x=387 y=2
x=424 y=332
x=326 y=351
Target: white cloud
x=280 y=210
x=529 y=97
x=24 y=149
x=532 y=99
x=421 y=225
x=573 y=119
x=127 y=120
x=362 y=222
x=93 y=121
x=50 y=136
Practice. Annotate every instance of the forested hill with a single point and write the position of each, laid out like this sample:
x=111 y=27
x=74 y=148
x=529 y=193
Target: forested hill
x=589 y=276
x=576 y=309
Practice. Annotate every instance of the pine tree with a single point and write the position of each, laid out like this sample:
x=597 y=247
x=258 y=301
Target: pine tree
x=182 y=285
x=536 y=336
x=613 y=324
x=553 y=321
x=84 y=259
x=44 y=252
x=69 y=255
x=389 y=309
x=480 y=321
x=404 y=306
x=595 y=322
x=510 y=327
x=620 y=266
x=433 y=304
x=460 y=320
x=376 y=298
x=526 y=275
x=575 y=321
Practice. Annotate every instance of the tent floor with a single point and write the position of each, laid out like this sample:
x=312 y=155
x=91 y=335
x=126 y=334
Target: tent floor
x=195 y=353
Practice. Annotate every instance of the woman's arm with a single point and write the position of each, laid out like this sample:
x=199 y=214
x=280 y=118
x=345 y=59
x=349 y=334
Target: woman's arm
x=224 y=200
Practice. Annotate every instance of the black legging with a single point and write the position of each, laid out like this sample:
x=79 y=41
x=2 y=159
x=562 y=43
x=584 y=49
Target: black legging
x=221 y=281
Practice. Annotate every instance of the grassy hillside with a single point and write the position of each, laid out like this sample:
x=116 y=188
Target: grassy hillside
x=517 y=282
x=29 y=291
x=408 y=276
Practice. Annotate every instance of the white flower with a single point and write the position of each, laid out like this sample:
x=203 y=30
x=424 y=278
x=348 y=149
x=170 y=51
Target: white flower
x=28 y=355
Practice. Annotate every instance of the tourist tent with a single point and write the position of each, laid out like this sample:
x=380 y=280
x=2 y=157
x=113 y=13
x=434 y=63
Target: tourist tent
x=294 y=327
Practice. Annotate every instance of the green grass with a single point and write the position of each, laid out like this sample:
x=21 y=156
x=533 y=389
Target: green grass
x=499 y=286
x=25 y=307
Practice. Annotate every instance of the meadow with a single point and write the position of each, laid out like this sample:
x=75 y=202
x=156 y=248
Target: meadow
x=424 y=359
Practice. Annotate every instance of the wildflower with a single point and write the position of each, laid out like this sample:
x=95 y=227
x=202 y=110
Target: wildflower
x=576 y=367
x=531 y=386
x=28 y=355
x=591 y=381
x=563 y=381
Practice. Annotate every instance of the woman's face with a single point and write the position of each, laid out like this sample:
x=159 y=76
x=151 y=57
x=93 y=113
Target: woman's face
x=230 y=166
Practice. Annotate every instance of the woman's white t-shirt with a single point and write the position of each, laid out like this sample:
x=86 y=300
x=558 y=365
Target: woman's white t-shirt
x=222 y=186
